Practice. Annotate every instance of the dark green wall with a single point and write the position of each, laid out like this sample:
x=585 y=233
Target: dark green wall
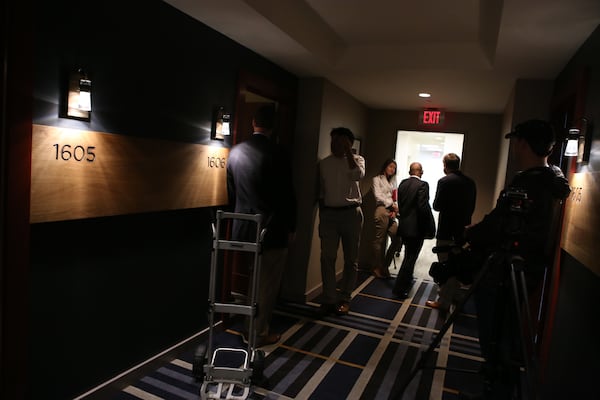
x=108 y=293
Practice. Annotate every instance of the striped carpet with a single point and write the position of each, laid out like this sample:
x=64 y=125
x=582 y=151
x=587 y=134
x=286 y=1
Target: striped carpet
x=367 y=354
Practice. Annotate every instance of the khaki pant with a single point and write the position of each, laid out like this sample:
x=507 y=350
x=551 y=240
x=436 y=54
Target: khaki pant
x=335 y=225
x=382 y=230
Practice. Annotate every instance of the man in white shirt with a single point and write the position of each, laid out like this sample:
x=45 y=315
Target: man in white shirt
x=341 y=218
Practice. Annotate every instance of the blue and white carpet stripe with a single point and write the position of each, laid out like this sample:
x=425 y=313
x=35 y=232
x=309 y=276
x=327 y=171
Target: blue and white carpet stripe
x=365 y=355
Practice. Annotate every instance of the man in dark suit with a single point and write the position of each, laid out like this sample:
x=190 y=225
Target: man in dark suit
x=415 y=223
x=455 y=200
x=259 y=181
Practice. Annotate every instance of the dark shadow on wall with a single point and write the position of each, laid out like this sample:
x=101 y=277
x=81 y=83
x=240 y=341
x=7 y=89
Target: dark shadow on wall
x=572 y=367
x=365 y=254
x=109 y=292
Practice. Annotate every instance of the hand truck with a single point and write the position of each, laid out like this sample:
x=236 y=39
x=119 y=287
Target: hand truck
x=226 y=372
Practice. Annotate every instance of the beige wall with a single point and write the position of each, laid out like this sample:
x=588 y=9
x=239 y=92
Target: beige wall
x=304 y=165
x=321 y=107
x=338 y=109
x=531 y=99
x=504 y=149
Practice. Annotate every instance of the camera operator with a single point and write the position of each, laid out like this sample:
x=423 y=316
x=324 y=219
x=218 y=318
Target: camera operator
x=521 y=225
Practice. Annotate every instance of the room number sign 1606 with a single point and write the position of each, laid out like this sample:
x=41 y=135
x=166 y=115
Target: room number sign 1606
x=216 y=162
x=68 y=152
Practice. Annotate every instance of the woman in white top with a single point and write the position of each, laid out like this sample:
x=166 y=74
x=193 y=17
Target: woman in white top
x=384 y=189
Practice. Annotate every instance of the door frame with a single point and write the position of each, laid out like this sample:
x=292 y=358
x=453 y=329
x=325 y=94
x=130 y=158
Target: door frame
x=283 y=93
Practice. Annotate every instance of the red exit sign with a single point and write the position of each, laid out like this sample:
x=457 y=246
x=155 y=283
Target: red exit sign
x=431 y=117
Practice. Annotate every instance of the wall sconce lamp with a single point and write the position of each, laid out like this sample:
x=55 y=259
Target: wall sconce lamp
x=577 y=142
x=573 y=138
x=79 y=100
x=220 y=124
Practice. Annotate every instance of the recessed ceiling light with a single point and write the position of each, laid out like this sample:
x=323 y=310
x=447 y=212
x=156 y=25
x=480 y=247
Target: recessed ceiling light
x=424 y=94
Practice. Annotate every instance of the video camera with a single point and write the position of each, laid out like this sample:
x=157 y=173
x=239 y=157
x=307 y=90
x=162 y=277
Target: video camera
x=465 y=260
x=462 y=263
x=515 y=204
x=517 y=200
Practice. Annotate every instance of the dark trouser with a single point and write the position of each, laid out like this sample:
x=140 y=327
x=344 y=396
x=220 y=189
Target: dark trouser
x=412 y=248
x=273 y=265
x=268 y=282
x=395 y=246
x=336 y=225
x=450 y=288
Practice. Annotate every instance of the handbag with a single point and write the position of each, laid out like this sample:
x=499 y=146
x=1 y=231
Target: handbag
x=440 y=272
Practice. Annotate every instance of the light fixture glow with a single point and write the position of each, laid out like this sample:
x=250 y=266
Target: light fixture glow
x=85 y=97
x=578 y=141
x=572 y=147
x=221 y=121
x=575 y=144
x=79 y=96
x=424 y=94
x=226 y=131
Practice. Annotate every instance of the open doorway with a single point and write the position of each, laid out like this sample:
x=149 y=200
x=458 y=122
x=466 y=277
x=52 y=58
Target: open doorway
x=428 y=148
x=254 y=91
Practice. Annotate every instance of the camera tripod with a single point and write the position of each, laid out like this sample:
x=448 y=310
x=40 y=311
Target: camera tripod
x=508 y=267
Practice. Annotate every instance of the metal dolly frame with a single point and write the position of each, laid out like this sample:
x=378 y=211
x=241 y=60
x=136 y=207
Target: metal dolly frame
x=232 y=382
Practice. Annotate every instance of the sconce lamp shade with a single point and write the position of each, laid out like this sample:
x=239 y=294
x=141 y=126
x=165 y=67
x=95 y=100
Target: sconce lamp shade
x=571 y=149
x=572 y=143
x=85 y=95
x=220 y=124
x=79 y=100
x=575 y=144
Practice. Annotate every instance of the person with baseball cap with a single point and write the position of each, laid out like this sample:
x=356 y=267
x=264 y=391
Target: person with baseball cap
x=539 y=135
x=523 y=223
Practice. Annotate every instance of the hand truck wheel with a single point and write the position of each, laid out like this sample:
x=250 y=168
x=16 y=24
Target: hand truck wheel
x=258 y=365
x=199 y=361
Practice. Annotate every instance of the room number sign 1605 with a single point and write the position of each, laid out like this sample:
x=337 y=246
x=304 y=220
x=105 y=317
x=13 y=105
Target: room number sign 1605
x=68 y=152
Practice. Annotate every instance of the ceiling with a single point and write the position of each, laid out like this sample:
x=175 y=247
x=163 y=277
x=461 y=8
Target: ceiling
x=466 y=53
